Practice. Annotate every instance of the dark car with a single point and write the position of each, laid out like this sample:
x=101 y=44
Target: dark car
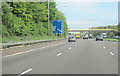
x=114 y=37
x=99 y=38
x=72 y=38
x=90 y=37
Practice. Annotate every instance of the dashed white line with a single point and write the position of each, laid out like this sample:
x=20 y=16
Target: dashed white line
x=59 y=54
x=30 y=50
x=25 y=72
x=104 y=47
x=1 y=49
x=70 y=48
x=111 y=53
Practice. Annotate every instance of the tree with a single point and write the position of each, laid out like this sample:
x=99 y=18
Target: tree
x=29 y=18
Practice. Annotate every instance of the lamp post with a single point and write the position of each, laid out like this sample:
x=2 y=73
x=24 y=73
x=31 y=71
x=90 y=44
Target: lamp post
x=48 y=19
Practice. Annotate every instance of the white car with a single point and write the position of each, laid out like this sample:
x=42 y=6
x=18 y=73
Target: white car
x=85 y=37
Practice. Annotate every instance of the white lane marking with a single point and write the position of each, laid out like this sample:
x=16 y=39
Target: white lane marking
x=59 y=54
x=75 y=45
x=25 y=72
x=1 y=49
x=111 y=53
x=70 y=48
x=104 y=47
x=30 y=50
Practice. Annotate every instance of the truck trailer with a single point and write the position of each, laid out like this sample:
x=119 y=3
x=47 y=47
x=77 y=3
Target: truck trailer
x=77 y=35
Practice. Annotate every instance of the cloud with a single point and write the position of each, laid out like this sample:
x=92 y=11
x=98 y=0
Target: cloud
x=83 y=15
x=83 y=7
x=72 y=24
x=78 y=7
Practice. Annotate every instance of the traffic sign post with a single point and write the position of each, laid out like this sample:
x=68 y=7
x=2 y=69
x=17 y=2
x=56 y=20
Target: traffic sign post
x=58 y=27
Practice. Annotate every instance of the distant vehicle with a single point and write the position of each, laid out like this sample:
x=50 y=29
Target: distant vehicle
x=99 y=38
x=72 y=38
x=104 y=35
x=85 y=36
x=90 y=36
x=77 y=35
x=116 y=37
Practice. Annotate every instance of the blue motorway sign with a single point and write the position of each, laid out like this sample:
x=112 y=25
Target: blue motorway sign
x=58 y=27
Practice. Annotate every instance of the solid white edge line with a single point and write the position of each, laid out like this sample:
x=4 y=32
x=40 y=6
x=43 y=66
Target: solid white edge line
x=31 y=50
x=25 y=71
x=59 y=54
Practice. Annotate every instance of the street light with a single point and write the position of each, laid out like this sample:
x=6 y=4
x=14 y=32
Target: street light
x=61 y=14
x=48 y=19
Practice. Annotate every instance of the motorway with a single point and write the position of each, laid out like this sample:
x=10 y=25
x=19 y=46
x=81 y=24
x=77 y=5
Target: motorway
x=80 y=57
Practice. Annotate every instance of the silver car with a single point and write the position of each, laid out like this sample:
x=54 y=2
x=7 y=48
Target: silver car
x=99 y=38
x=72 y=38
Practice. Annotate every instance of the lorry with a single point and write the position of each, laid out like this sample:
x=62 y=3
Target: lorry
x=90 y=36
x=104 y=35
x=77 y=35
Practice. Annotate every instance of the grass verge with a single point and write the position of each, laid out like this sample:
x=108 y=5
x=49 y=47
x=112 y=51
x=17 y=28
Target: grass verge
x=20 y=39
x=114 y=40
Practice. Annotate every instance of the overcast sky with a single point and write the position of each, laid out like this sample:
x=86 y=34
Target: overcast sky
x=82 y=15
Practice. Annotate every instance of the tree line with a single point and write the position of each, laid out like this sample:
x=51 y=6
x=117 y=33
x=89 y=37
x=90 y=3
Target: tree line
x=110 y=34
x=29 y=19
